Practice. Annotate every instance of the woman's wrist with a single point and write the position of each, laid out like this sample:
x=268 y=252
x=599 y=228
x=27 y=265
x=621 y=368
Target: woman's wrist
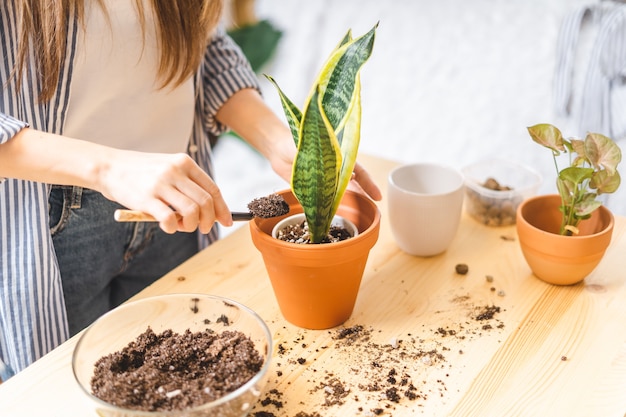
x=45 y=157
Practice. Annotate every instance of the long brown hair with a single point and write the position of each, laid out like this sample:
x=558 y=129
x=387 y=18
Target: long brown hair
x=183 y=28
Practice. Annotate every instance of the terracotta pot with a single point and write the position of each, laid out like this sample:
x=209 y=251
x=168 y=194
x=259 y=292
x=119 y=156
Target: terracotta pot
x=316 y=285
x=557 y=259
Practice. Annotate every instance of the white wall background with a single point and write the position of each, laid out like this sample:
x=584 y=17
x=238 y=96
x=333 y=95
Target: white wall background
x=451 y=81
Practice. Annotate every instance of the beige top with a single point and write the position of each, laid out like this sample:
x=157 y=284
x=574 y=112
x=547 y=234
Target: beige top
x=114 y=98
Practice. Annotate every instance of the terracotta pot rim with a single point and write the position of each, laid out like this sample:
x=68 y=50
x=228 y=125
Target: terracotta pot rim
x=370 y=233
x=520 y=218
x=558 y=259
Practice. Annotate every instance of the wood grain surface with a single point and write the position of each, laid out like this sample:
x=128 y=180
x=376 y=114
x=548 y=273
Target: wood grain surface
x=414 y=344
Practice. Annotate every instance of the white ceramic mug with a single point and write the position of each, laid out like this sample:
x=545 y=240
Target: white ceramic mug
x=424 y=202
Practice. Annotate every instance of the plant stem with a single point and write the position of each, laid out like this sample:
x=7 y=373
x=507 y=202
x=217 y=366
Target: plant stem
x=565 y=218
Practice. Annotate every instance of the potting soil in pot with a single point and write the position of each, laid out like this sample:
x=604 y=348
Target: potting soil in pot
x=171 y=371
x=299 y=233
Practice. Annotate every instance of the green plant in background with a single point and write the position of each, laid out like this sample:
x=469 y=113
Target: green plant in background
x=258 y=42
x=327 y=133
x=592 y=171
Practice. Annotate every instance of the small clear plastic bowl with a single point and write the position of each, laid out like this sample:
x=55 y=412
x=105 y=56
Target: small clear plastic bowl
x=494 y=207
x=178 y=312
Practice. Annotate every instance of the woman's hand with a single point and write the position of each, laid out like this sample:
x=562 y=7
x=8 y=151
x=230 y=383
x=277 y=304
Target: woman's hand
x=166 y=185
x=362 y=181
x=281 y=159
x=159 y=184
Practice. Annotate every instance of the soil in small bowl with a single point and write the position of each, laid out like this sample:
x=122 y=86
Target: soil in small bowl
x=491 y=211
x=493 y=184
x=171 y=371
x=299 y=233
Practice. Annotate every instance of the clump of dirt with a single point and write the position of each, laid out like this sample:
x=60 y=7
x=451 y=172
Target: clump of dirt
x=273 y=397
x=270 y=206
x=350 y=335
x=493 y=184
x=334 y=391
x=171 y=371
x=487 y=312
x=461 y=269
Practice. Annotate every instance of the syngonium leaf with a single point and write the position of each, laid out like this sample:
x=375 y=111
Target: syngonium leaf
x=586 y=205
x=566 y=190
x=577 y=146
x=575 y=175
x=569 y=182
x=605 y=183
x=548 y=136
x=592 y=166
x=602 y=152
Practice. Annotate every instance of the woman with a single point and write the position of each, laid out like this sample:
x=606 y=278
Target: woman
x=113 y=102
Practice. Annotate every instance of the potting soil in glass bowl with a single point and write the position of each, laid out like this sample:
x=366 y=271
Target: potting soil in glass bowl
x=174 y=355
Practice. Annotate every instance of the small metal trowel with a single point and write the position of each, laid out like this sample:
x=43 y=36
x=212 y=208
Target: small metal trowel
x=264 y=207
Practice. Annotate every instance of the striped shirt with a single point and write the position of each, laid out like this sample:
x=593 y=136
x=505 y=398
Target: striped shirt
x=599 y=105
x=32 y=311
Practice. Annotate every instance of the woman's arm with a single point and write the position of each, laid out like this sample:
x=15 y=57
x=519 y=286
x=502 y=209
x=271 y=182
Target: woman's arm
x=154 y=183
x=249 y=116
x=231 y=99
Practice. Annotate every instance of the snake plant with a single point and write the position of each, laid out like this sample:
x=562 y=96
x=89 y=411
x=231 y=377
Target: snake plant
x=592 y=171
x=327 y=132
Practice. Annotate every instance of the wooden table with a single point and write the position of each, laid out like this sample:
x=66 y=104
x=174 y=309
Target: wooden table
x=549 y=351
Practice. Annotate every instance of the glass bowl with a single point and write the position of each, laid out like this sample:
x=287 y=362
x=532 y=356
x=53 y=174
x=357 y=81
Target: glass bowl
x=494 y=188
x=177 y=312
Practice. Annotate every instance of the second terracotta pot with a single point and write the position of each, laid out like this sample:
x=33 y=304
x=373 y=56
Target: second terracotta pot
x=558 y=259
x=316 y=285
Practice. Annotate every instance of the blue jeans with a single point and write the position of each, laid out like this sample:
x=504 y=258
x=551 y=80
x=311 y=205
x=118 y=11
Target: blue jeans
x=104 y=262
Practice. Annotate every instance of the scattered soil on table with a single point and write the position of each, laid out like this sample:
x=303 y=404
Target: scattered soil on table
x=299 y=233
x=171 y=371
x=406 y=372
x=487 y=312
